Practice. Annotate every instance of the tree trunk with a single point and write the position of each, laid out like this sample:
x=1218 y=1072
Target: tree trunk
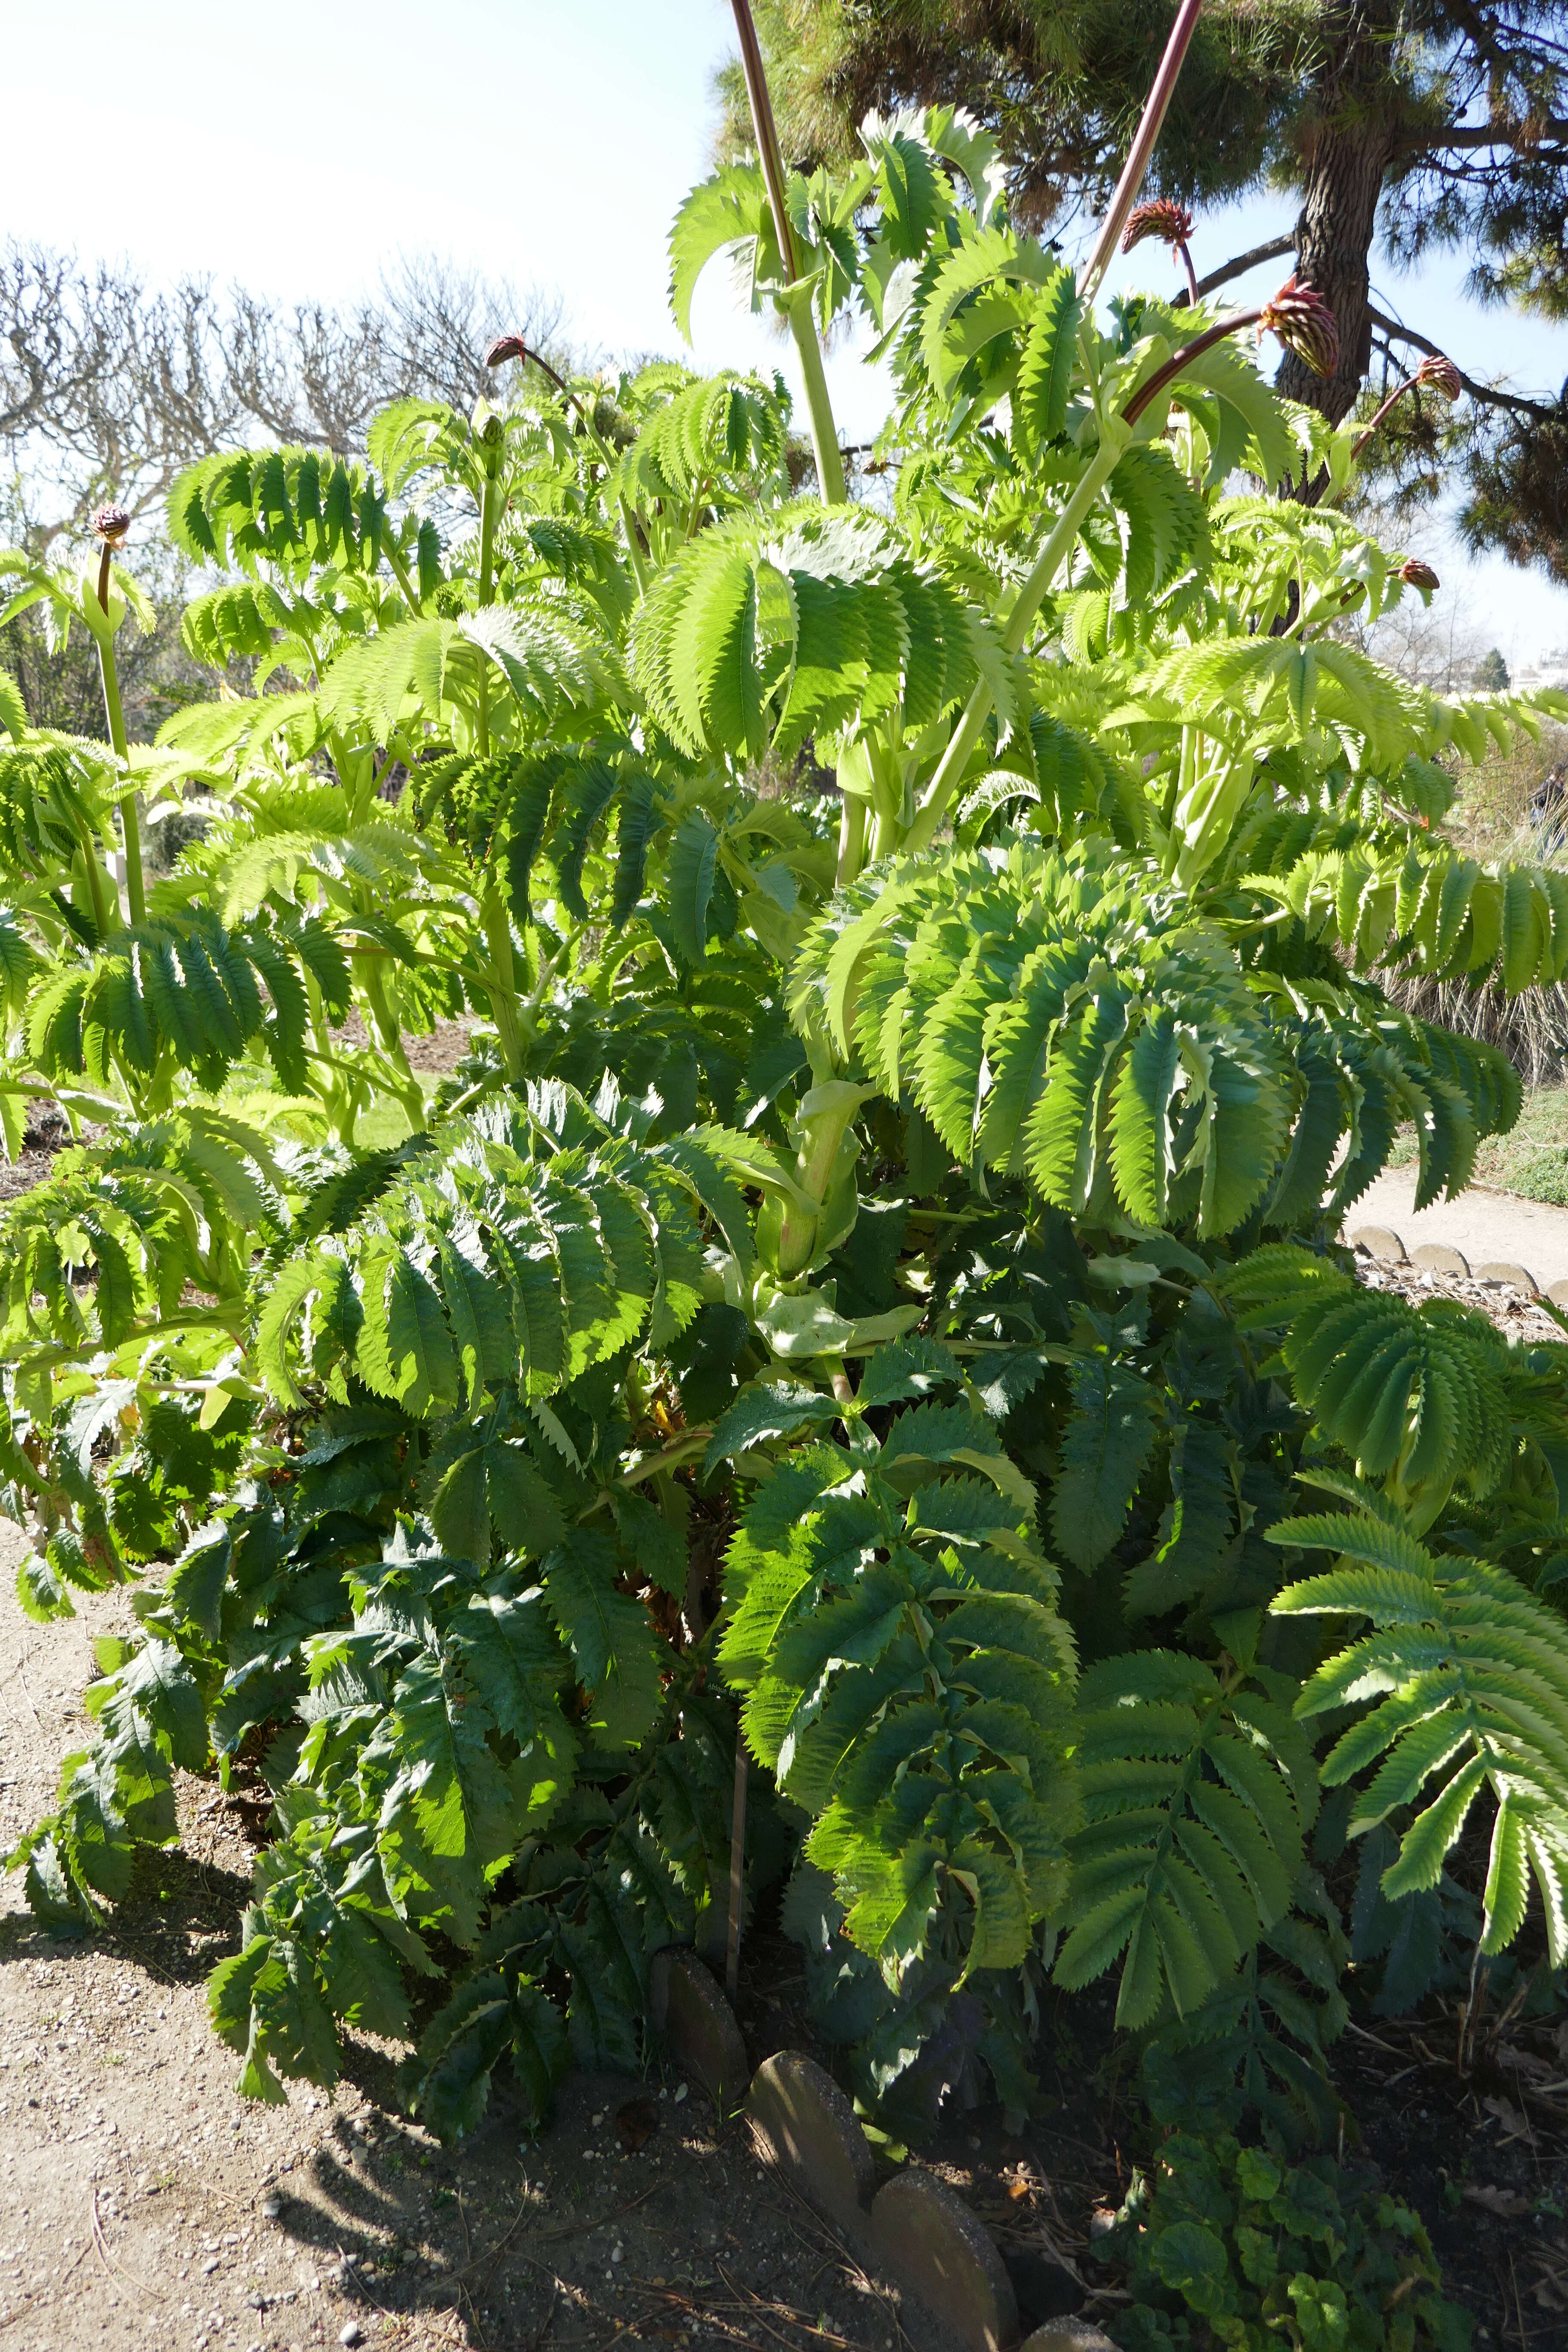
x=1346 y=152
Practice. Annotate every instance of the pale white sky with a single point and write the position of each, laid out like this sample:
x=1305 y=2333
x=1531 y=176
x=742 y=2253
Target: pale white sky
x=300 y=149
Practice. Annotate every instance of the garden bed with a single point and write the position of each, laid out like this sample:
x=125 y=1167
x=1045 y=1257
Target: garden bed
x=137 y=2184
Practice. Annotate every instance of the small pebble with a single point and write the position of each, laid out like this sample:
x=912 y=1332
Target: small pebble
x=679 y=2092
x=271 y=2206
x=351 y=2334
x=209 y=2266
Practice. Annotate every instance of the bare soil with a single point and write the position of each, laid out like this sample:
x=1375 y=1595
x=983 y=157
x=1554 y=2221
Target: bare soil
x=137 y=2190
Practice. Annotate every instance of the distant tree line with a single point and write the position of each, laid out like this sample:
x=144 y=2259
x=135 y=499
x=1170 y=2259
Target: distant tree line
x=110 y=385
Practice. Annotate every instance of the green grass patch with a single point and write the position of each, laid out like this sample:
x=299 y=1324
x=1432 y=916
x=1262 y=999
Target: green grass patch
x=1532 y=1160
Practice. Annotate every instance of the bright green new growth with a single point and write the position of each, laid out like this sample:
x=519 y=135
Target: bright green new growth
x=868 y=1288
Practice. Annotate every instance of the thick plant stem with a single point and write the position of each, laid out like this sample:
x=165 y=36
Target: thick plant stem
x=824 y=431
x=1143 y=148
x=503 y=979
x=405 y=580
x=95 y=882
x=1394 y=397
x=737 y=1868
x=851 y=839
x=1026 y=604
x=130 y=810
x=1231 y=324
x=487 y=590
x=822 y=1121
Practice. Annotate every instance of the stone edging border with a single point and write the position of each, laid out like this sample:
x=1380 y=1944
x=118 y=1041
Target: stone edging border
x=1442 y=1257
x=914 y=2229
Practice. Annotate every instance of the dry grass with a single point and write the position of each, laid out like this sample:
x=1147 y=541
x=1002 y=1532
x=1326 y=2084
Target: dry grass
x=1532 y=1160
x=1499 y=815
x=1532 y=1028
x=1495 y=815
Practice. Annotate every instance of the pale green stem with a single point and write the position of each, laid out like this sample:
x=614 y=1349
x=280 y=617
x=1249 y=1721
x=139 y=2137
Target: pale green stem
x=824 y=431
x=634 y=552
x=851 y=839
x=130 y=806
x=797 y=300
x=815 y=1164
x=95 y=883
x=405 y=580
x=1027 y=604
x=487 y=582
x=503 y=990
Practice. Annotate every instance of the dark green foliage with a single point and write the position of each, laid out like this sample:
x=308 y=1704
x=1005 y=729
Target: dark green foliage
x=1228 y=2244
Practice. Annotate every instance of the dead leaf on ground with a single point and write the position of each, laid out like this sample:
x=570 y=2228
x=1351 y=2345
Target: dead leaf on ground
x=636 y=2123
x=1506 y=2202
x=1525 y=2062
x=1508 y=2115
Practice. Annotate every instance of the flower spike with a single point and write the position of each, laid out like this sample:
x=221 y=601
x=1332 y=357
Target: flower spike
x=1304 y=323
x=1298 y=314
x=1172 y=223
x=1438 y=373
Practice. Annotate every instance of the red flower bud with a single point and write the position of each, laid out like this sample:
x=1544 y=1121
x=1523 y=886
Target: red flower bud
x=504 y=348
x=1165 y=218
x=1440 y=374
x=111 y=524
x=1305 y=324
x=1416 y=574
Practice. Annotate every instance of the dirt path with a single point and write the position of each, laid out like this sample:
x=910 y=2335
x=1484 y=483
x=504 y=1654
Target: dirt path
x=1484 y=1226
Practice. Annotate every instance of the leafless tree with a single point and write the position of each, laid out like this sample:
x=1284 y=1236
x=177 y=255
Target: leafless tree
x=109 y=386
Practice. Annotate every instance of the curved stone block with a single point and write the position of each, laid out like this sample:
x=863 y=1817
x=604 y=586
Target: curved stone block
x=804 y=2123
x=1505 y=1270
x=1440 y=1257
x=697 y=2025
x=1379 y=1240
x=1069 y=2335
x=933 y=2244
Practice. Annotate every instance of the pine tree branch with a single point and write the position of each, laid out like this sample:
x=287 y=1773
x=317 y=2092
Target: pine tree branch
x=1487 y=394
x=1521 y=137
x=1272 y=250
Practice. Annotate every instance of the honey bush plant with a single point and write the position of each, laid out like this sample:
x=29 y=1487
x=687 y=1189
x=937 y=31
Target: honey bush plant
x=869 y=1291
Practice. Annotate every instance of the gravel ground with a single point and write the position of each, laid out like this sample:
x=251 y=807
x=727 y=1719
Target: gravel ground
x=1511 y=1310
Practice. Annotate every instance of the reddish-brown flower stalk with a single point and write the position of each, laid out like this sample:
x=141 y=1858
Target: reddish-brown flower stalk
x=1297 y=315
x=1172 y=224
x=830 y=481
x=110 y=524
x=1435 y=373
x=1143 y=148
x=512 y=347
